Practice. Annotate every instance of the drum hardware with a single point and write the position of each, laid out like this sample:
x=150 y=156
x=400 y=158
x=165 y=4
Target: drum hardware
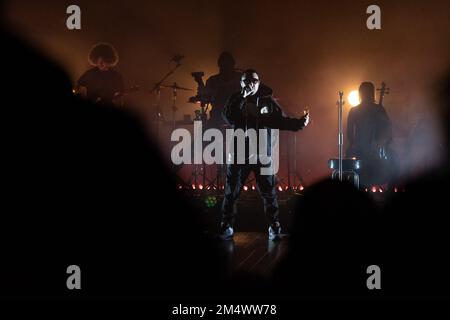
x=340 y=105
x=350 y=169
x=344 y=169
x=156 y=89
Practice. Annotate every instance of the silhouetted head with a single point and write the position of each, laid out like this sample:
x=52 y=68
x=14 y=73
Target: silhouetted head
x=104 y=56
x=250 y=81
x=226 y=62
x=367 y=92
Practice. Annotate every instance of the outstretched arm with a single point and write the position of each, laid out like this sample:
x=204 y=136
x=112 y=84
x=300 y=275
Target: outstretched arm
x=277 y=120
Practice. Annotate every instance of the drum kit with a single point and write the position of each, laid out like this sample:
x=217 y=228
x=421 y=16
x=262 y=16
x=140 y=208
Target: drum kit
x=198 y=177
x=156 y=90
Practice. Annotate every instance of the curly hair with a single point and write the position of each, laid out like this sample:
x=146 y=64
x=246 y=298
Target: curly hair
x=105 y=51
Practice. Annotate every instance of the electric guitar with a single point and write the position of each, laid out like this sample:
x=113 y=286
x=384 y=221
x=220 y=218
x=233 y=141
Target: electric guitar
x=117 y=99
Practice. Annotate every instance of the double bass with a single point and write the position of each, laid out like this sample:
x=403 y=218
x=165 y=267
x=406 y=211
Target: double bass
x=385 y=159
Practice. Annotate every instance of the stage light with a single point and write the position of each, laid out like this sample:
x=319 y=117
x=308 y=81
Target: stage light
x=374 y=189
x=245 y=188
x=200 y=186
x=353 y=98
x=280 y=188
x=253 y=187
x=193 y=186
x=210 y=201
x=301 y=188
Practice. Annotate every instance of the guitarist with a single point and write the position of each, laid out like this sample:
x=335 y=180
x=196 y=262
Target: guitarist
x=102 y=84
x=369 y=131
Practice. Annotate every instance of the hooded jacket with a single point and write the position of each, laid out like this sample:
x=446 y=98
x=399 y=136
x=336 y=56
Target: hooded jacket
x=265 y=113
x=269 y=114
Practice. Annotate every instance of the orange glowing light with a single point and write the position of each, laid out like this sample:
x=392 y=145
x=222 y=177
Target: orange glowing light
x=353 y=98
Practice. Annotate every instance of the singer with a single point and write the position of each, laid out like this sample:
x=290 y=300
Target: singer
x=254 y=108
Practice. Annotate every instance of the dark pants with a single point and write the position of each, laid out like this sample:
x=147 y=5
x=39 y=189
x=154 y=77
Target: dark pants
x=236 y=176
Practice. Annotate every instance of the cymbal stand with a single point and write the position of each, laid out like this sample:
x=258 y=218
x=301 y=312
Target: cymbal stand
x=157 y=90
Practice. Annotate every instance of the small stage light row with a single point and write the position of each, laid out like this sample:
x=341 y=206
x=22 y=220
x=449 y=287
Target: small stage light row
x=245 y=187
x=373 y=189
x=378 y=189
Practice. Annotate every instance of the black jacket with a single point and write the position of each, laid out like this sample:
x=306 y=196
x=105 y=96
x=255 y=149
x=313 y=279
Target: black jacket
x=235 y=115
x=268 y=115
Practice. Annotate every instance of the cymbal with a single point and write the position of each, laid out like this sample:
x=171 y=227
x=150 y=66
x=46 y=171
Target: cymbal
x=175 y=86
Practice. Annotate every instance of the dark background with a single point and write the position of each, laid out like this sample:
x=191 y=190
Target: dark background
x=305 y=50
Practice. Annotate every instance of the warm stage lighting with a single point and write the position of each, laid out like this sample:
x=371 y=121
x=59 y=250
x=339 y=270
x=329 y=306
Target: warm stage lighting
x=353 y=98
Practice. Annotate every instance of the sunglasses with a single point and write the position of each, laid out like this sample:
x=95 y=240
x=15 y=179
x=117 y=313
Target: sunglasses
x=250 y=80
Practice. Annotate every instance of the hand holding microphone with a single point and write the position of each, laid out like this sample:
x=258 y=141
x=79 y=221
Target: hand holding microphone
x=247 y=90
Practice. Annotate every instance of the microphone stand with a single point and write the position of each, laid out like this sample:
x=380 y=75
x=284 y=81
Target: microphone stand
x=157 y=90
x=340 y=104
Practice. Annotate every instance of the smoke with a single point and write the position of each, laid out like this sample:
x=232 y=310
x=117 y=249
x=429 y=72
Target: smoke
x=305 y=51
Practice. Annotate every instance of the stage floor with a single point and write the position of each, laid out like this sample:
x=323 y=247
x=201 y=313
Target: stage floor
x=252 y=252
